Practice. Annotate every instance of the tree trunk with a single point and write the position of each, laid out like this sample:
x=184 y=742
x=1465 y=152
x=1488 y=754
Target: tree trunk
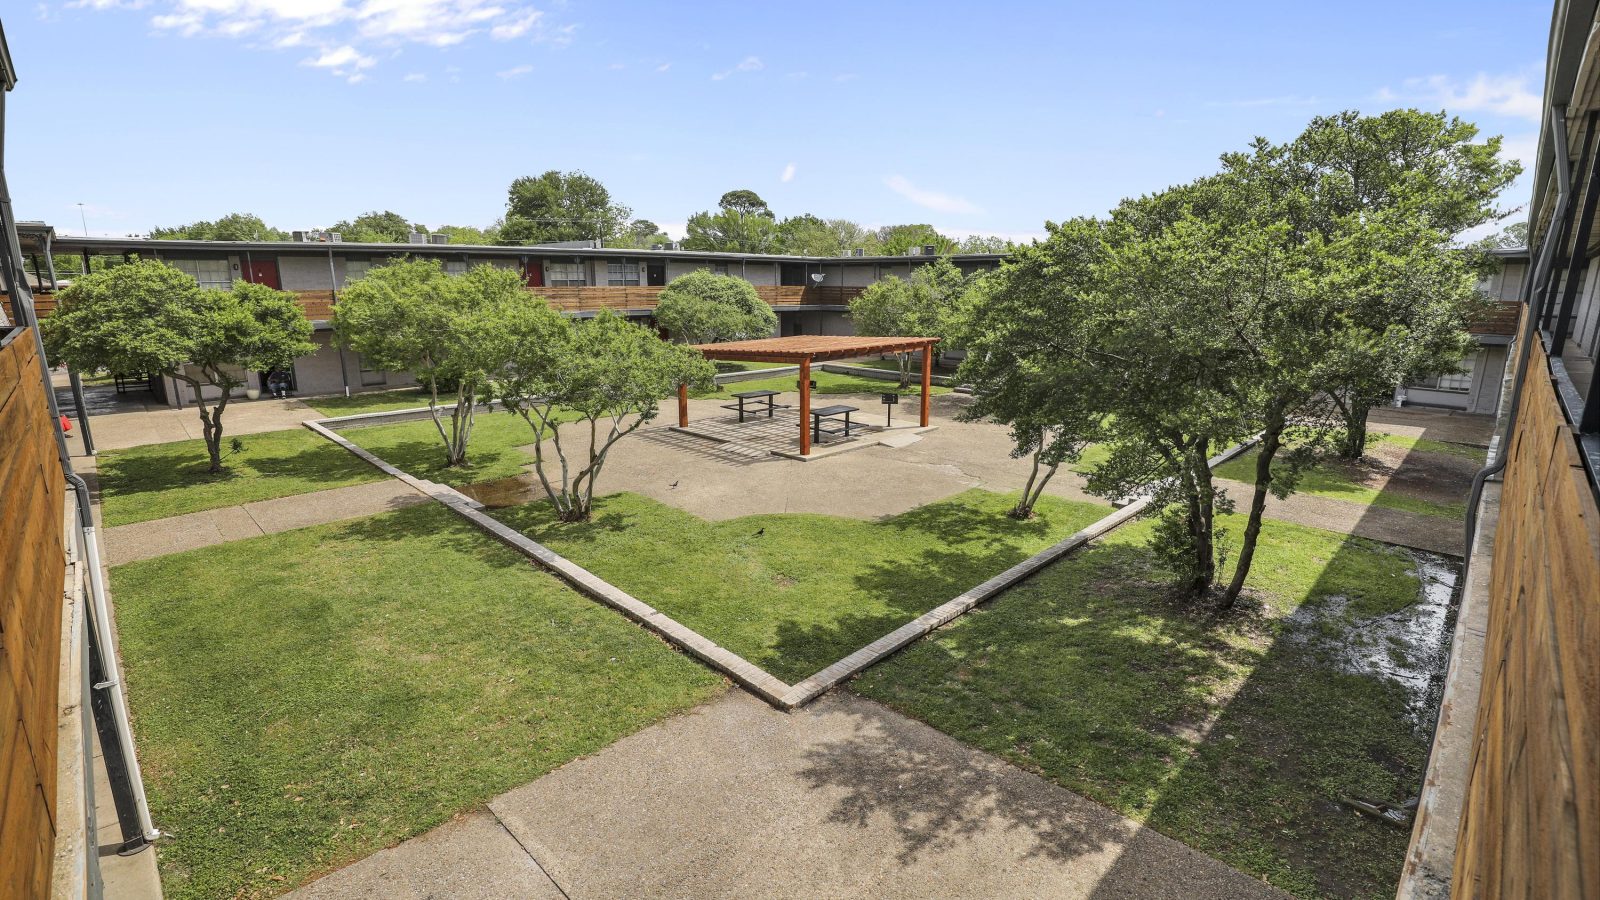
x=905 y=369
x=1202 y=525
x=1354 y=442
x=1271 y=441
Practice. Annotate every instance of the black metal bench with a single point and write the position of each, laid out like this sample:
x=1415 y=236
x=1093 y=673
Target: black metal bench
x=828 y=412
x=757 y=399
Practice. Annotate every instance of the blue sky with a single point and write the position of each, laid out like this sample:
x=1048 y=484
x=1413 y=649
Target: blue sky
x=979 y=118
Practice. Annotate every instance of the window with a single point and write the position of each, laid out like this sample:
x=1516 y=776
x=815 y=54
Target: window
x=211 y=273
x=356 y=269
x=719 y=268
x=565 y=275
x=1455 y=382
x=371 y=376
x=455 y=267
x=622 y=273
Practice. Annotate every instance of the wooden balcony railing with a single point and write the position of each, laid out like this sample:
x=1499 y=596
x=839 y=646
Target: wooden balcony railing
x=591 y=299
x=1501 y=318
x=43 y=304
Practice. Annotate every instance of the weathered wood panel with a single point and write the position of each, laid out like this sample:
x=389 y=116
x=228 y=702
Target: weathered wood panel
x=32 y=570
x=1530 y=826
x=43 y=304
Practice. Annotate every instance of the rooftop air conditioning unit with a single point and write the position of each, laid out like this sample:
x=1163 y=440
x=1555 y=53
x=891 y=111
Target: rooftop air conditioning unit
x=438 y=238
x=930 y=250
x=858 y=251
x=335 y=237
x=913 y=251
x=658 y=246
x=300 y=235
x=416 y=237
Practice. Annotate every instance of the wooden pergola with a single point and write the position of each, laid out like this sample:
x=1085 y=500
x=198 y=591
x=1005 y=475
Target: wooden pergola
x=805 y=349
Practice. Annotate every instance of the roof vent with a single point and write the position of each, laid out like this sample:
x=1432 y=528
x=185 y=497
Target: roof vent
x=416 y=237
x=438 y=238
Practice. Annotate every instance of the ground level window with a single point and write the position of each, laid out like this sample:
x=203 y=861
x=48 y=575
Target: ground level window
x=211 y=273
x=719 y=268
x=622 y=273
x=565 y=275
x=1455 y=382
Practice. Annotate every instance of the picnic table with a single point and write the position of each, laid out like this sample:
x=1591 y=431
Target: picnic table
x=828 y=412
x=757 y=399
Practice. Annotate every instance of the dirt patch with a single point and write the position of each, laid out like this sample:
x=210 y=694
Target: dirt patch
x=1433 y=477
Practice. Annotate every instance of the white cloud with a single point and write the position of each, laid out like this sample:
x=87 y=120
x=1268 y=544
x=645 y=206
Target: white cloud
x=339 y=58
x=927 y=199
x=415 y=77
x=373 y=28
x=1506 y=95
x=748 y=64
x=788 y=173
x=664 y=67
x=515 y=71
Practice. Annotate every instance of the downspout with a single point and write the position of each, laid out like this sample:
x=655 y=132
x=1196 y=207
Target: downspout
x=333 y=297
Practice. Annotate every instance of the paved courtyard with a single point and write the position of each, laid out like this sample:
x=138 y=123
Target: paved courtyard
x=841 y=799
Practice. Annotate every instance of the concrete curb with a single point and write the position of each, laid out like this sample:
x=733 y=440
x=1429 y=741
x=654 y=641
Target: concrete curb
x=753 y=678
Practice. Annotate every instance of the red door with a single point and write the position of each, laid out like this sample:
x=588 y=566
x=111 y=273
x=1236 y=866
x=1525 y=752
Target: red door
x=533 y=273
x=263 y=271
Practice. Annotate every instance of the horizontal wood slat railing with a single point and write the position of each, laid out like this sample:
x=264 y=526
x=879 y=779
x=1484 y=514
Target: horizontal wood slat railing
x=318 y=305
x=1500 y=318
x=32 y=576
x=1530 y=823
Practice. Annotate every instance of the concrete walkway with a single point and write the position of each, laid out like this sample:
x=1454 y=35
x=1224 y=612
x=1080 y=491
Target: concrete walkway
x=1436 y=534
x=158 y=537
x=842 y=799
x=160 y=425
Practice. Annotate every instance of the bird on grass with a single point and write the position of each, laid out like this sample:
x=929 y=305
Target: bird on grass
x=672 y=485
x=760 y=532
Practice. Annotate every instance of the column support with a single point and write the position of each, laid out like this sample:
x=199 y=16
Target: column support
x=927 y=381
x=683 y=405
x=805 y=406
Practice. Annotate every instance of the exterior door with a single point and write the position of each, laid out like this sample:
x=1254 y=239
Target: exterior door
x=263 y=271
x=533 y=273
x=655 y=274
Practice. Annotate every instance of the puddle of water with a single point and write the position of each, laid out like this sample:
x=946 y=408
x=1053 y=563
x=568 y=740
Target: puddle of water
x=504 y=492
x=1408 y=646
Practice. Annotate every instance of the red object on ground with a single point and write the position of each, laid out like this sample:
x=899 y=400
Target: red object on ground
x=66 y=424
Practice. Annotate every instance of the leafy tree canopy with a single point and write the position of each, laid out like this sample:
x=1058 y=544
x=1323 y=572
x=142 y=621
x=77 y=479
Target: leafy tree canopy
x=145 y=316
x=744 y=202
x=231 y=227
x=702 y=308
x=561 y=206
x=641 y=234
x=895 y=240
x=742 y=223
x=378 y=228
x=932 y=303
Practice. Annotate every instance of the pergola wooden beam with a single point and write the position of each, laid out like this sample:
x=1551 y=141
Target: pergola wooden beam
x=805 y=349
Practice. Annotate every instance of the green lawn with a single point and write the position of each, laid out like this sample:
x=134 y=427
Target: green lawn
x=1427 y=445
x=371 y=402
x=160 y=480
x=794 y=593
x=734 y=365
x=415 y=447
x=827 y=383
x=1224 y=734
x=1330 y=479
x=305 y=699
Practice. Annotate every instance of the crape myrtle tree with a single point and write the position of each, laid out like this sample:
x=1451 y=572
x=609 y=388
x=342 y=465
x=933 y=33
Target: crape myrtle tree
x=702 y=308
x=1024 y=371
x=450 y=332
x=145 y=316
x=608 y=373
x=1348 y=167
x=928 y=304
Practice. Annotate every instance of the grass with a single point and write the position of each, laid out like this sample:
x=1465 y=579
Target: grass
x=794 y=593
x=359 y=683
x=415 y=447
x=1333 y=481
x=160 y=480
x=370 y=402
x=1428 y=445
x=734 y=365
x=827 y=383
x=1223 y=734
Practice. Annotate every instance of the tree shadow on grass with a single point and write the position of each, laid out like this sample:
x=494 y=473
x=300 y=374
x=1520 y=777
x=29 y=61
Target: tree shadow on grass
x=136 y=474
x=439 y=525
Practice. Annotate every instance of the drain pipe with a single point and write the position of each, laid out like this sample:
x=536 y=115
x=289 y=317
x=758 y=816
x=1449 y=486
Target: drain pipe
x=109 y=704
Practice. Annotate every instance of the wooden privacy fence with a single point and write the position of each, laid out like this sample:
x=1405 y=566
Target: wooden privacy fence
x=1530 y=824
x=32 y=576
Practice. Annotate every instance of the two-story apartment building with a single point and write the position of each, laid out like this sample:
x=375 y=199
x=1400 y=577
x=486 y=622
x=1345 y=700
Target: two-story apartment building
x=810 y=294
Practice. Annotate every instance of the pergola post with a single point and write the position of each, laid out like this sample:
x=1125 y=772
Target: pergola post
x=683 y=405
x=927 y=380
x=805 y=406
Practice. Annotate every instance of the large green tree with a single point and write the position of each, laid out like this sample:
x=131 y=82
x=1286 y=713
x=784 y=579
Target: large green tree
x=561 y=206
x=1417 y=165
x=702 y=308
x=145 y=316
x=928 y=304
x=451 y=332
x=895 y=240
x=641 y=234
x=808 y=235
x=374 y=227
x=742 y=223
x=231 y=227
x=608 y=372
